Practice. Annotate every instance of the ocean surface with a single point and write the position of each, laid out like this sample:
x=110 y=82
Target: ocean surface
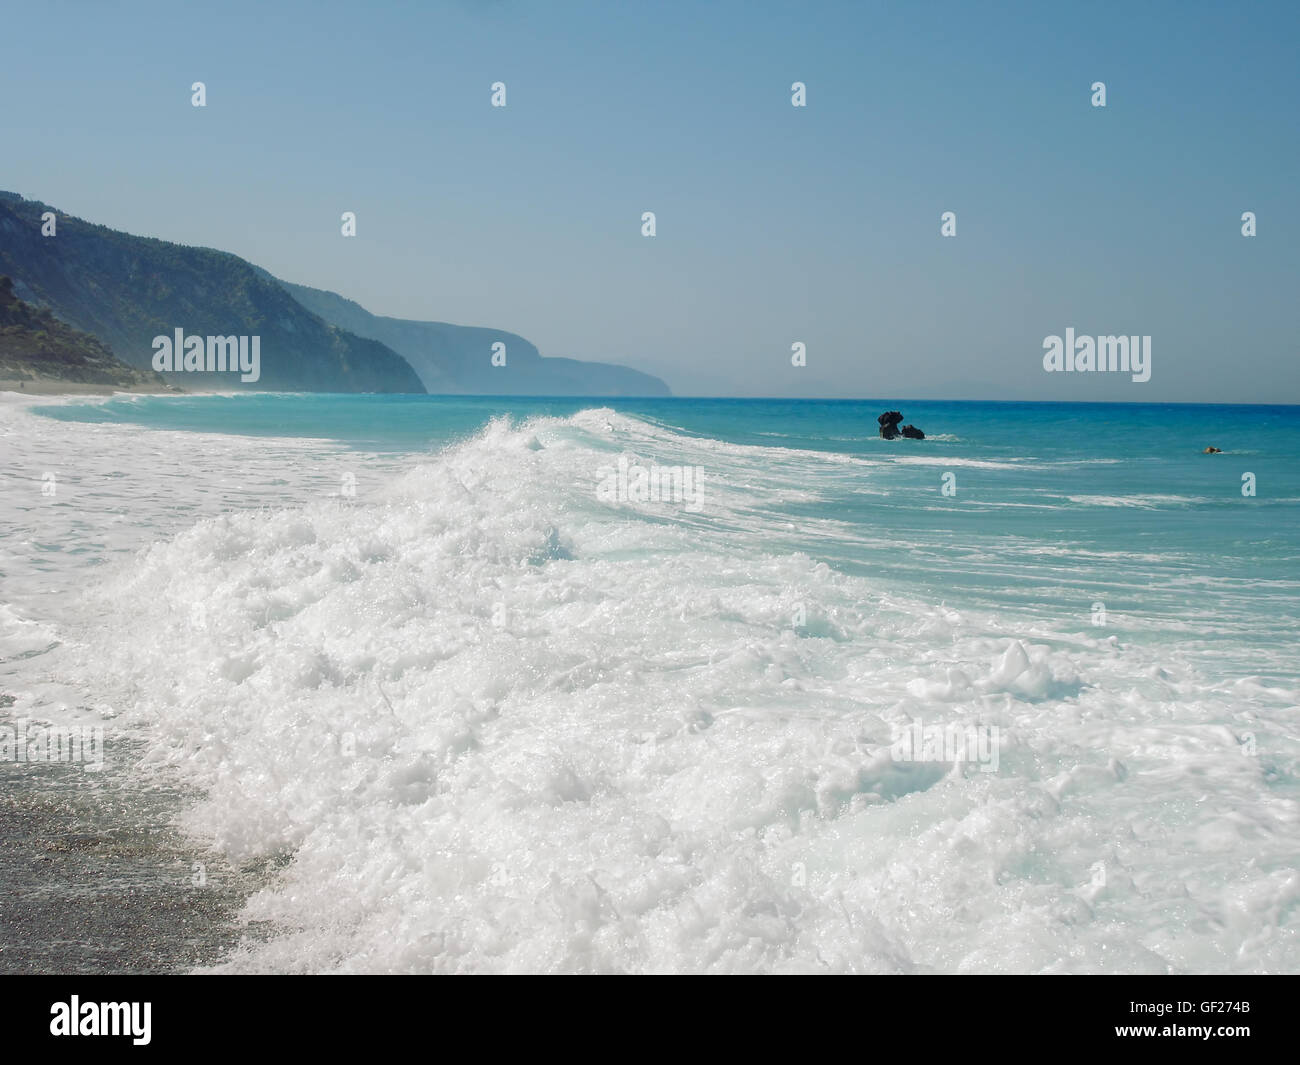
x=481 y=701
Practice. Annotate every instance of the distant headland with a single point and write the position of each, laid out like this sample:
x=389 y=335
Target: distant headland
x=126 y=290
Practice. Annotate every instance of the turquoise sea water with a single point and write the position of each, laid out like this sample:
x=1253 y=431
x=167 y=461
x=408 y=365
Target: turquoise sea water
x=1054 y=506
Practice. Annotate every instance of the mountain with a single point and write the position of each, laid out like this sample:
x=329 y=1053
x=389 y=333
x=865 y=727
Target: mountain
x=35 y=346
x=126 y=290
x=458 y=358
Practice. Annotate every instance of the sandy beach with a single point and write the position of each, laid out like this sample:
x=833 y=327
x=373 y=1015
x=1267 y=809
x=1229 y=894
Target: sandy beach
x=48 y=386
x=94 y=878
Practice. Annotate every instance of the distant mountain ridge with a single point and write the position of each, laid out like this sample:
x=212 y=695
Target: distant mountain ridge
x=458 y=358
x=126 y=290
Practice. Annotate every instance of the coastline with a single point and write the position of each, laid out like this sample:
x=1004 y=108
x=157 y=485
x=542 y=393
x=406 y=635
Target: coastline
x=96 y=877
x=50 y=386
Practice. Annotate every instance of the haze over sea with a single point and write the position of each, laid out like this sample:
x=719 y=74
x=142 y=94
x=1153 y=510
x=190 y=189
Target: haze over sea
x=488 y=720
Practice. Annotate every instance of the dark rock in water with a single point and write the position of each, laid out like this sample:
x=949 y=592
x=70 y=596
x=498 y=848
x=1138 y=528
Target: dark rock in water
x=889 y=427
x=889 y=424
x=1211 y=451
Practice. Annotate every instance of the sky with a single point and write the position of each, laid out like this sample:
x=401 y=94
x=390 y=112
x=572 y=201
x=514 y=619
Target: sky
x=775 y=224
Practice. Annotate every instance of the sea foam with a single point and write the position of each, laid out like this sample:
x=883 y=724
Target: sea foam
x=489 y=722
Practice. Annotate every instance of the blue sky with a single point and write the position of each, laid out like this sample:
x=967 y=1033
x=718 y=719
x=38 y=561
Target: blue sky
x=775 y=224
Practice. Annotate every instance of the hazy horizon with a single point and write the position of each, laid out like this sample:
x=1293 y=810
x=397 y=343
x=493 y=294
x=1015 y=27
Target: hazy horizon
x=776 y=224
